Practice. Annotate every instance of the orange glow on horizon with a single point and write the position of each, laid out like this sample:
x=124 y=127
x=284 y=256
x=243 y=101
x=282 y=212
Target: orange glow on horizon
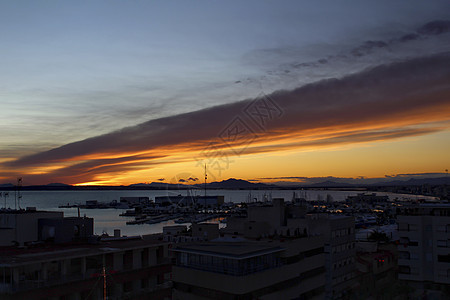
x=273 y=153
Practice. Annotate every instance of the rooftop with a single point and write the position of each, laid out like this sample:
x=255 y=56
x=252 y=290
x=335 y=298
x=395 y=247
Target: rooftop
x=29 y=210
x=45 y=252
x=237 y=250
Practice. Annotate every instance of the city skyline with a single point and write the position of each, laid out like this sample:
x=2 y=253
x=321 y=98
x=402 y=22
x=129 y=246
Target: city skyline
x=119 y=93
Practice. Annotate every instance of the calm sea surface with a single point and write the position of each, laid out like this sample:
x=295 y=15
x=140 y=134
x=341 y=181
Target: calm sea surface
x=106 y=220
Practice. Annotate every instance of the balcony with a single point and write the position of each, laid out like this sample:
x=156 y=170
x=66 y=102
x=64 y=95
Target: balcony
x=406 y=242
x=245 y=284
x=83 y=281
x=163 y=289
x=443 y=243
x=404 y=255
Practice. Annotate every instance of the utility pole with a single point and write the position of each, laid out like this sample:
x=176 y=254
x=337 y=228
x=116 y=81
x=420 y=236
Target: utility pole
x=104 y=282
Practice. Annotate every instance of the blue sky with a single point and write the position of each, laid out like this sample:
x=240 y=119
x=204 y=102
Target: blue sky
x=72 y=70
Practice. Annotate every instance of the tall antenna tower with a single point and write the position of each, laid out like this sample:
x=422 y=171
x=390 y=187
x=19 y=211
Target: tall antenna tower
x=19 y=194
x=206 y=177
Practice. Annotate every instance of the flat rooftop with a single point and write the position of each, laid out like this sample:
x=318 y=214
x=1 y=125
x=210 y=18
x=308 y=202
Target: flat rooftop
x=27 y=211
x=13 y=256
x=235 y=250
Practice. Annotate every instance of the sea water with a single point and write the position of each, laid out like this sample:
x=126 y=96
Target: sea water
x=106 y=220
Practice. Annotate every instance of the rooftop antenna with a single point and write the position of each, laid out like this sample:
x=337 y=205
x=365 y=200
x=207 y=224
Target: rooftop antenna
x=5 y=194
x=206 y=177
x=446 y=180
x=19 y=195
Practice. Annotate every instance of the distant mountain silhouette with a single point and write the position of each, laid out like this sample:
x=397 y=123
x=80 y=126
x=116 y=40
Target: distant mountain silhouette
x=233 y=183
x=141 y=184
x=159 y=185
x=6 y=185
x=329 y=183
x=236 y=184
x=411 y=181
x=414 y=181
x=57 y=184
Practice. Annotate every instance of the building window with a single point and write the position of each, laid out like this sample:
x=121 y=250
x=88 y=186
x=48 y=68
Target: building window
x=441 y=228
x=404 y=255
x=127 y=286
x=76 y=230
x=403 y=227
x=404 y=270
x=144 y=283
x=183 y=259
x=444 y=258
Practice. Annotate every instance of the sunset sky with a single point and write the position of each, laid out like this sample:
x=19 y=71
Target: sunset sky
x=121 y=92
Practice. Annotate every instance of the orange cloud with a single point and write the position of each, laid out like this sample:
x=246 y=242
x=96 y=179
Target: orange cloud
x=385 y=103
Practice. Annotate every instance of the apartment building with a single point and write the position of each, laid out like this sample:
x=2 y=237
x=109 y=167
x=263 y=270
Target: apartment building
x=340 y=252
x=376 y=265
x=133 y=268
x=424 y=248
x=288 y=268
x=53 y=257
x=288 y=221
x=21 y=226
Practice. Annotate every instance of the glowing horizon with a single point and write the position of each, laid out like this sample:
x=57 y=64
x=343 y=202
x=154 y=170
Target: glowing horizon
x=259 y=91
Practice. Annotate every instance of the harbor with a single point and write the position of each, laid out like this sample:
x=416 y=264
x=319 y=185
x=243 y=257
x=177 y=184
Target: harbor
x=136 y=212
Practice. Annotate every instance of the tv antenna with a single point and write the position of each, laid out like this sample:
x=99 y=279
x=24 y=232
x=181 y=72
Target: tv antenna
x=206 y=177
x=18 y=195
x=5 y=195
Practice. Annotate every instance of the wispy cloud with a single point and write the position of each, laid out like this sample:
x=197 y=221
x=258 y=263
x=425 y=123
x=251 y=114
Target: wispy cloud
x=386 y=102
x=287 y=66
